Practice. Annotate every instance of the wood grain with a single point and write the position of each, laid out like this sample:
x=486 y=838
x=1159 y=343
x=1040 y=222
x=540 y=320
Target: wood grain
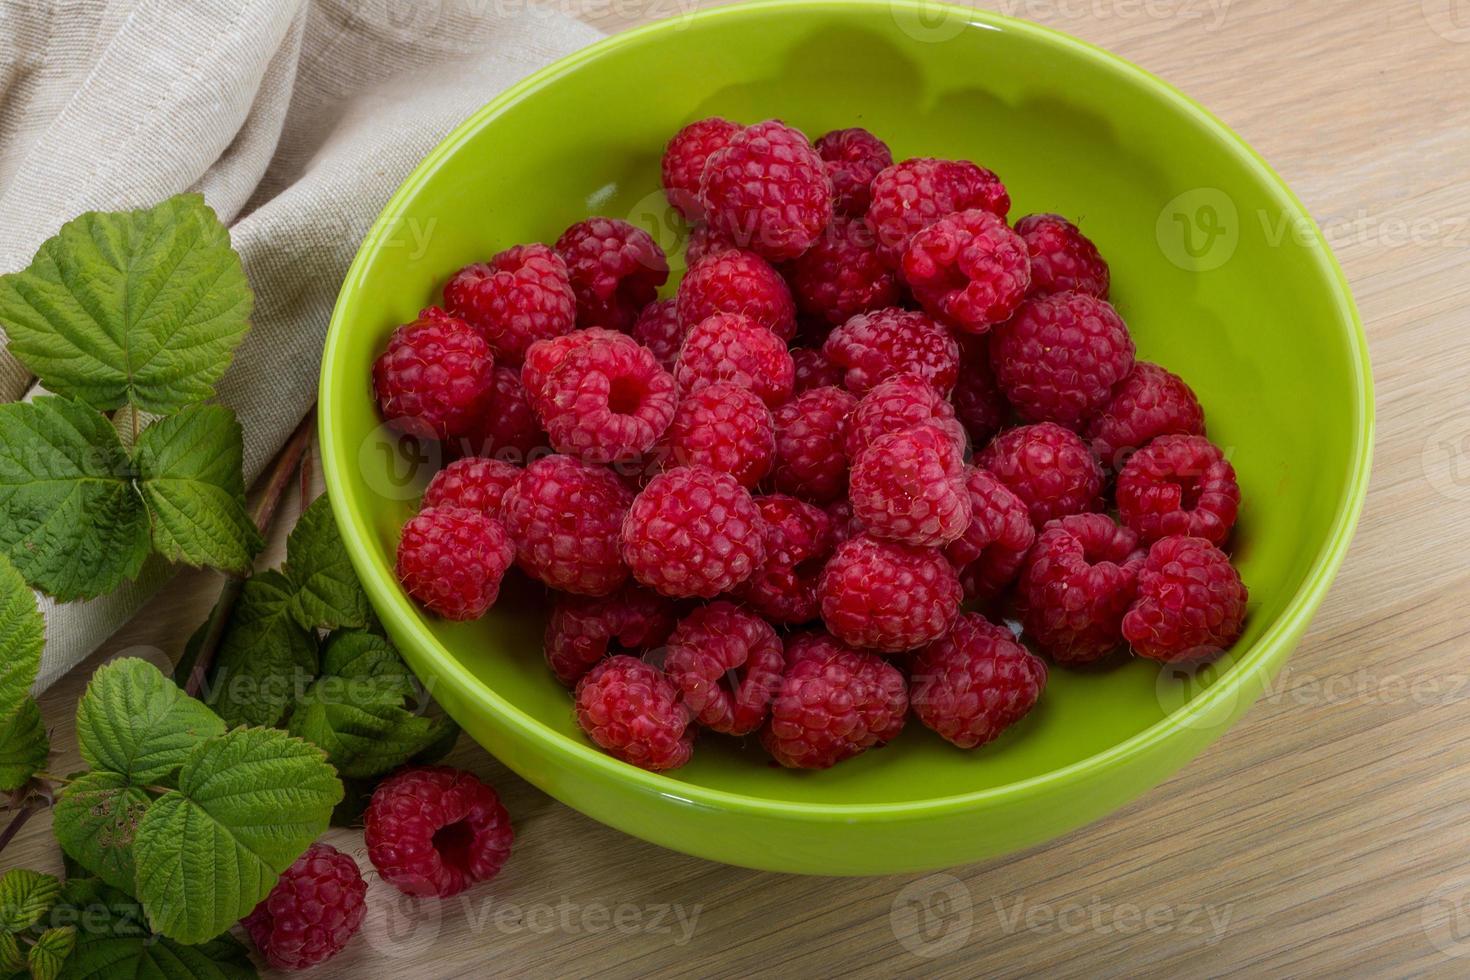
x=1325 y=833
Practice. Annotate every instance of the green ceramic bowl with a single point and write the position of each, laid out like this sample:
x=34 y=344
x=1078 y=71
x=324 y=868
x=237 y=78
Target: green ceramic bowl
x=1216 y=267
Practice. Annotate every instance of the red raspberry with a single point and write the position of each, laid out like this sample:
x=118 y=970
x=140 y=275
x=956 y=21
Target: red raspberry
x=434 y=831
x=1078 y=580
x=582 y=630
x=1048 y=467
x=909 y=487
x=813 y=370
x=969 y=269
x=974 y=682
x=727 y=428
x=734 y=348
x=704 y=241
x=909 y=196
x=658 y=328
x=522 y=295
x=1062 y=258
x=978 y=402
x=684 y=160
x=727 y=664
x=311 y=913
x=615 y=269
x=1179 y=485
x=841 y=275
x=509 y=430
x=472 y=483
x=810 y=432
x=889 y=597
x=767 y=189
x=1059 y=357
x=607 y=401
x=1148 y=403
x=545 y=356
x=452 y=561
x=872 y=347
x=853 y=157
x=844 y=525
x=565 y=517
x=732 y=281
x=1191 y=602
x=833 y=703
x=990 y=552
x=632 y=711
x=435 y=377
x=900 y=403
x=798 y=538
x=693 y=532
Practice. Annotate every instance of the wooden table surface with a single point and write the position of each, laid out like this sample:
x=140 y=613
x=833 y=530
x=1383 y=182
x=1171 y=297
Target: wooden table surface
x=1328 y=831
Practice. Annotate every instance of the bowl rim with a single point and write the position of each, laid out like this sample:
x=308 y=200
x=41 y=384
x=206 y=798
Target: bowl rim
x=1251 y=667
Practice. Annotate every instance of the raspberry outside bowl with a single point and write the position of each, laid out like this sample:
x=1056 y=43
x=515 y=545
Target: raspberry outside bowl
x=1260 y=323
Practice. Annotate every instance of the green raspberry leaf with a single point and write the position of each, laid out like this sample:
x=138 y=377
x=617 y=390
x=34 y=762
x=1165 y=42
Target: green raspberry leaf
x=189 y=474
x=25 y=896
x=70 y=517
x=265 y=658
x=50 y=950
x=12 y=960
x=328 y=594
x=137 y=306
x=157 y=958
x=134 y=721
x=95 y=821
x=22 y=637
x=248 y=803
x=23 y=746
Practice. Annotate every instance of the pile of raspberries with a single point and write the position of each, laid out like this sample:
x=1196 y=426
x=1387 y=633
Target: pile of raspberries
x=763 y=502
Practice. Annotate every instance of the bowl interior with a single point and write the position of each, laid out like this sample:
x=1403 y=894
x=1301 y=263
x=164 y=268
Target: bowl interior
x=1213 y=269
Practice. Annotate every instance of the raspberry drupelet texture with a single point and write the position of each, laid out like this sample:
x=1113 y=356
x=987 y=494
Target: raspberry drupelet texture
x=658 y=328
x=974 y=682
x=844 y=525
x=798 y=539
x=853 y=157
x=704 y=241
x=436 y=377
x=582 y=630
x=565 y=517
x=727 y=665
x=452 y=560
x=693 y=532
x=545 y=356
x=1079 y=579
x=873 y=347
x=767 y=189
x=509 y=430
x=633 y=712
x=434 y=831
x=813 y=370
x=1062 y=258
x=314 y=909
x=900 y=403
x=990 y=552
x=834 y=703
x=978 y=402
x=735 y=348
x=1191 y=602
x=725 y=427
x=841 y=275
x=889 y=597
x=909 y=196
x=607 y=401
x=1148 y=403
x=909 y=487
x=811 y=431
x=472 y=483
x=734 y=281
x=1050 y=468
x=520 y=296
x=615 y=270
x=684 y=160
x=1059 y=357
x=1179 y=485
x=968 y=269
